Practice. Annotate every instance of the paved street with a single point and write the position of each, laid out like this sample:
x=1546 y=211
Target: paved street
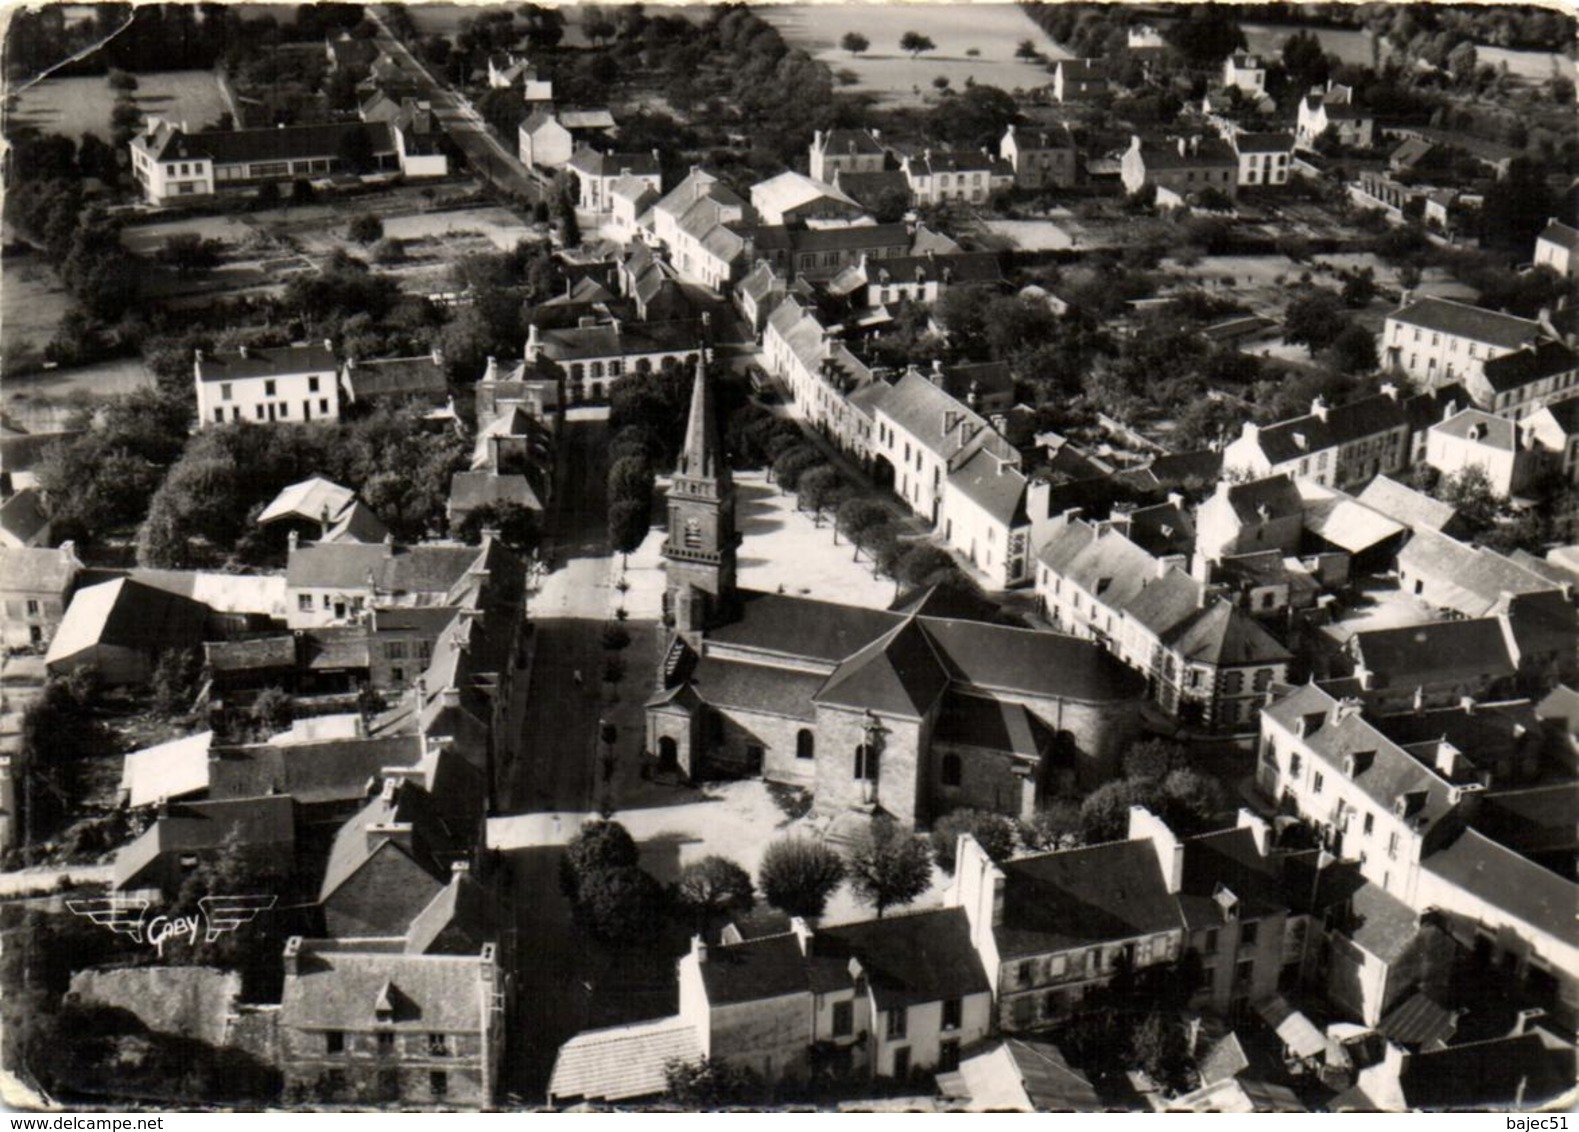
x=489 y=159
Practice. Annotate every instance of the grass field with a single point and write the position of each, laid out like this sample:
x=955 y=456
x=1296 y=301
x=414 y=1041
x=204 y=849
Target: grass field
x=78 y=106
x=32 y=303
x=994 y=30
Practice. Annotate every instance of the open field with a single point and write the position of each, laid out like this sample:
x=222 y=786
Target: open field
x=994 y=30
x=77 y=106
x=32 y=302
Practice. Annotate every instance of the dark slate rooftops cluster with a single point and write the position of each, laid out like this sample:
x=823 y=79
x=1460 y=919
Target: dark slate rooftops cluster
x=267 y=361
x=284 y=143
x=1342 y=424
x=1505 y=331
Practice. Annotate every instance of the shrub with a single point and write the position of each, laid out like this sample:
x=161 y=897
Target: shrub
x=1055 y=826
x=615 y=637
x=389 y=250
x=598 y=845
x=994 y=832
x=365 y=228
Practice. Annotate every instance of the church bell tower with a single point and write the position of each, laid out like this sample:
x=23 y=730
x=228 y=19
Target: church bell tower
x=700 y=549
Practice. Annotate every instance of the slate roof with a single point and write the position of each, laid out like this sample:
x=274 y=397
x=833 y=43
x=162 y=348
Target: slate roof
x=402 y=802
x=1222 y=634
x=1079 y=897
x=470 y=490
x=899 y=674
x=357 y=523
x=1419 y=1021
x=995 y=725
x=192 y=827
x=460 y=919
x=36 y=569
x=594 y=164
x=1480 y=427
x=919 y=407
x=340 y=989
x=1505 y=331
x=1509 y=882
x=956 y=267
x=995 y=485
x=621 y=1063
x=1049 y=1080
x=909 y=959
x=1392 y=772
x=128 y=614
x=423 y=568
x=1473 y=579
x=337 y=770
x=1277 y=495
x=848 y=237
x=1491 y=1074
x=1382 y=924
x=283 y=143
x=1528 y=365
x=1205 y=151
x=22 y=516
x=1564 y=235
x=1344 y=424
x=757 y=687
x=869 y=187
x=930 y=164
x=267 y=361
x=771 y=967
x=843 y=142
x=1344 y=521
x=1034 y=662
x=621 y=340
x=252 y=654
x=1414 y=509
x=1229 y=859
x=822 y=630
x=1263 y=143
x=421 y=376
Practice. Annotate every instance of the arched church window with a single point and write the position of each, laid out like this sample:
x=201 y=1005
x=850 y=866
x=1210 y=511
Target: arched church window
x=805 y=744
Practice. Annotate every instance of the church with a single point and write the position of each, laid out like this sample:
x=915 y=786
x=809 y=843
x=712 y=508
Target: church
x=901 y=710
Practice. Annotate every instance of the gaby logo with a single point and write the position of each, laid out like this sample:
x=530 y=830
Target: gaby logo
x=216 y=916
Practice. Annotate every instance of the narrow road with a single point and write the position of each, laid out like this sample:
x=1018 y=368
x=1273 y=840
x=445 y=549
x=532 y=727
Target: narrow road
x=489 y=159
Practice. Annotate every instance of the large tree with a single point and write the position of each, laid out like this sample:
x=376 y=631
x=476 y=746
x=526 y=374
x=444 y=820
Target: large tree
x=714 y=886
x=619 y=905
x=889 y=865
x=993 y=832
x=854 y=42
x=597 y=846
x=798 y=875
x=915 y=43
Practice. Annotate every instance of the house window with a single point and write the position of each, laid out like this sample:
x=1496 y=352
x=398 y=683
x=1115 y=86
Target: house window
x=1248 y=932
x=897 y=1022
x=805 y=744
x=334 y=1082
x=32 y=607
x=386 y=1041
x=1370 y=823
x=1317 y=783
x=951 y=770
x=304 y=603
x=224 y=390
x=334 y=1041
x=1392 y=845
x=323 y=405
x=953 y=1013
x=439 y=1084
x=268 y=388
x=1026 y=972
x=1293 y=764
x=843 y=1019
x=1263 y=677
x=219 y=415
x=438 y=1045
x=312 y=385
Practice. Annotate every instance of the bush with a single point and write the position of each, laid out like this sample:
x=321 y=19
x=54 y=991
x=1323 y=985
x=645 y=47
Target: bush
x=798 y=875
x=1152 y=758
x=714 y=886
x=1055 y=826
x=994 y=832
x=389 y=250
x=365 y=228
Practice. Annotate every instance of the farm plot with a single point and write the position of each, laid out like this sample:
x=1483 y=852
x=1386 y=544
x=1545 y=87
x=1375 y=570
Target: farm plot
x=82 y=105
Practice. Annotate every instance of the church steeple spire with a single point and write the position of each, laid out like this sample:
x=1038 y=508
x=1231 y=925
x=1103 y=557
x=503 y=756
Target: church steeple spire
x=702 y=455
x=700 y=549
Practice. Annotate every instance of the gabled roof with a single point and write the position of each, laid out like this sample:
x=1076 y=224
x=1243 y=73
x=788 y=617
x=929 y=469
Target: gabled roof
x=621 y=1063
x=282 y=143
x=1051 y=1083
x=314 y=499
x=357 y=523
x=1529 y=364
x=790 y=190
x=591 y=163
x=909 y=959
x=1223 y=634
x=1477 y=426
x=1505 y=331
x=996 y=725
x=267 y=361
x=195 y=827
x=871 y=186
x=335 y=770
x=1078 y=897
x=995 y=485
x=1414 y=509
x=1259 y=501
x=1419 y=1021
x=1263 y=143
x=1031 y=661
x=930 y=164
x=127 y=614
x=423 y=568
x=1563 y=235
x=621 y=340
x=400 y=802
x=842 y=142
x=169 y=770
x=1503 y=1072
x=420 y=376
x=341 y=987
x=899 y=674
x=1473 y=579
x=460 y=919
x=37 y=569
x=757 y=969
x=1344 y=423
x=1509 y=882
x=950 y=267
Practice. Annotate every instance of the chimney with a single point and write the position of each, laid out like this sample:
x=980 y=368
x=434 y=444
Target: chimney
x=1146 y=826
x=291 y=539
x=438 y=356
x=1389 y=390
x=1521 y=1023
x=397 y=831
x=243 y=349
x=1259 y=829
x=534 y=345
x=803 y=935
x=492 y=372
x=197 y=356
x=293 y=949
x=1318 y=408
x=699 y=949
x=1447 y=759
x=389 y=544
x=816 y=139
